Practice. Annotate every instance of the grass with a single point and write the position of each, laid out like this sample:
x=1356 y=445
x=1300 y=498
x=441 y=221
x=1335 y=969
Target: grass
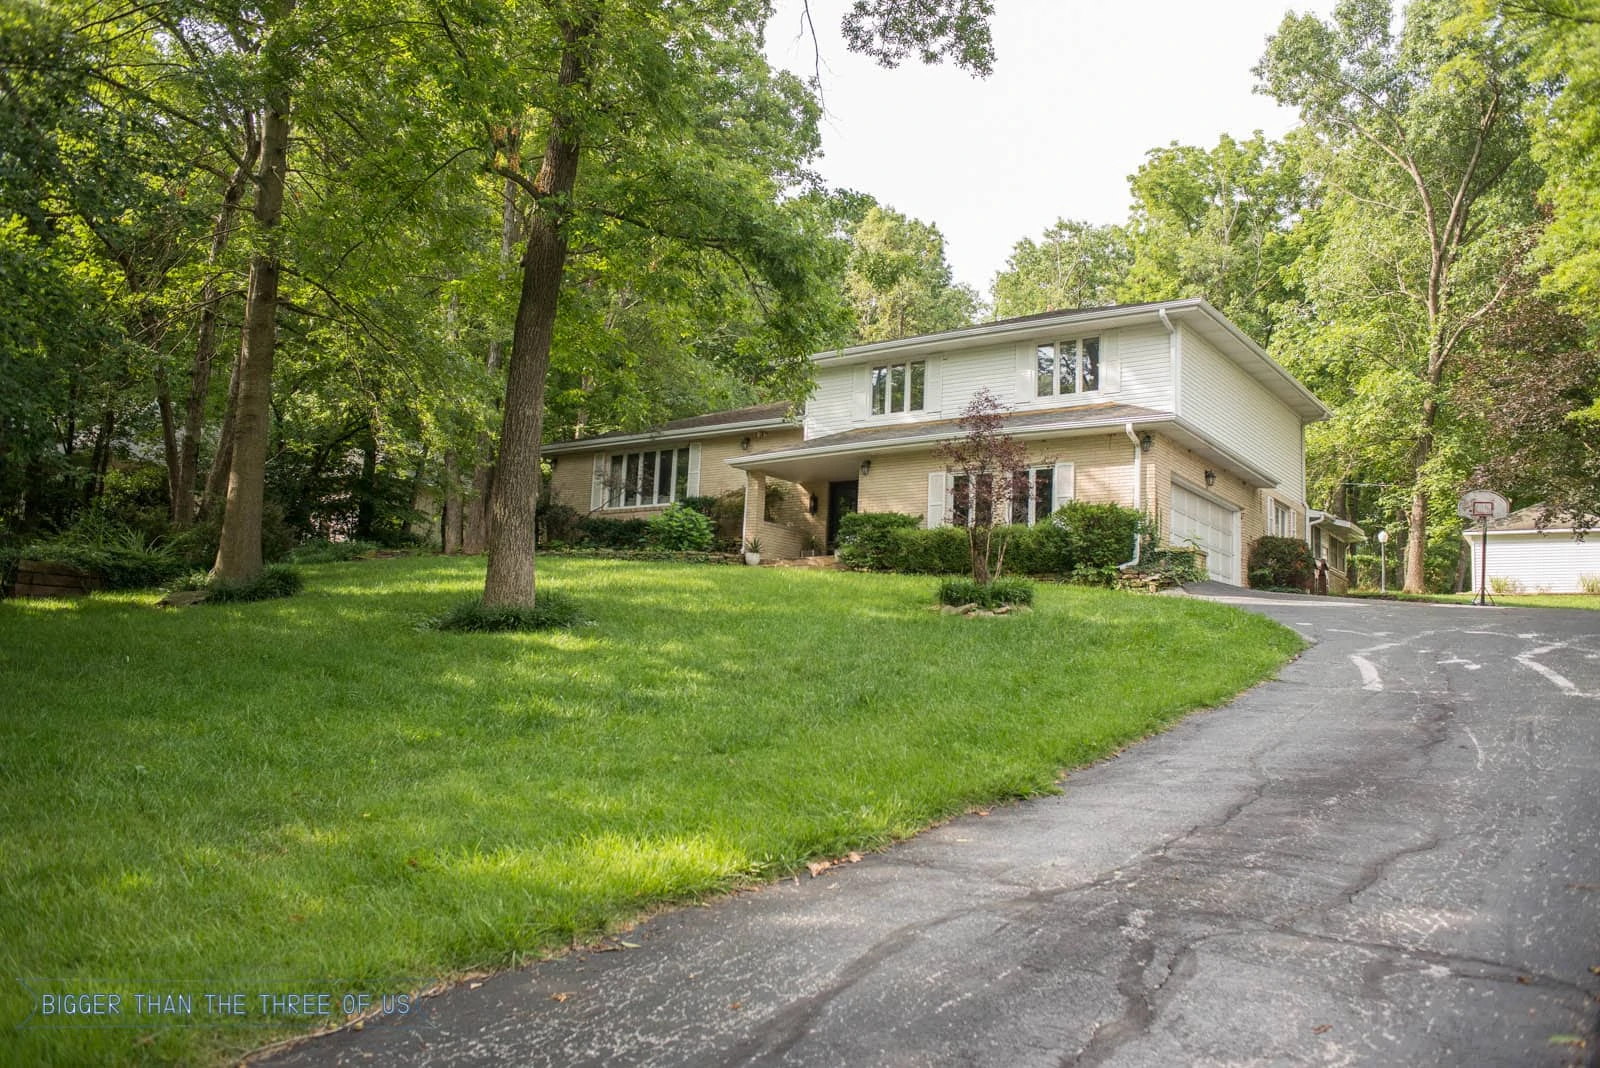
x=1589 y=601
x=231 y=798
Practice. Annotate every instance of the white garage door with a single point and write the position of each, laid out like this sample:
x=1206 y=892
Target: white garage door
x=1212 y=526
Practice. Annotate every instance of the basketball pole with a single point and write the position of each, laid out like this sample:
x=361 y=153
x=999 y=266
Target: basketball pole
x=1483 y=564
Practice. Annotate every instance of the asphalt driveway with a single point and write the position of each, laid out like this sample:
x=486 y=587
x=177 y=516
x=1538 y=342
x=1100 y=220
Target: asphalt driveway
x=1391 y=855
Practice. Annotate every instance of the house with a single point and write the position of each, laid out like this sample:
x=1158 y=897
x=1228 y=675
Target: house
x=1331 y=538
x=1166 y=407
x=1523 y=558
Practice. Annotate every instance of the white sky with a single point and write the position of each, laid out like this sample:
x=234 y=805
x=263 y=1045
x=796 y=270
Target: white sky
x=1080 y=92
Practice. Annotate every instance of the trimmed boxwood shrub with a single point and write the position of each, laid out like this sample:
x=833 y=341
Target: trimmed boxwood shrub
x=1280 y=563
x=681 y=528
x=940 y=551
x=866 y=539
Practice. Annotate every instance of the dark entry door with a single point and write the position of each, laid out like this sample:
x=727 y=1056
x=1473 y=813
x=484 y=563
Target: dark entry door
x=841 y=501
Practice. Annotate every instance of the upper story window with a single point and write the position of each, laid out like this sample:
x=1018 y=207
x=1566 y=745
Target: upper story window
x=898 y=387
x=1066 y=367
x=645 y=479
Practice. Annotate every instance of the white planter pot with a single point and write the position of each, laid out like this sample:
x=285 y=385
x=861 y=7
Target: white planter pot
x=753 y=559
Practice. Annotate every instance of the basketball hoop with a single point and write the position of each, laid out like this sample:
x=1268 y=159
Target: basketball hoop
x=1483 y=505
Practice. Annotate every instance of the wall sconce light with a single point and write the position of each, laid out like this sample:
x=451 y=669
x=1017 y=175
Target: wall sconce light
x=1146 y=442
x=812 y=504
x=744 y=443
x=866 y=468
x=1211 y=478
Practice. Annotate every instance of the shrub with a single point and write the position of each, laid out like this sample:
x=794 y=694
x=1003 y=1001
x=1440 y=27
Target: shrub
x=681 y=528
x=605 y=533
x=323 y=551
x=1282 y=563
x=866 y=539
x=556 y=524
x=550 y=611
x=940 y=551
x=727 y=515
x=1505 y=585
x=123 y=558
x=1177 y=566
x=1002 y=591
x=1589 y=584
x=278 y=580
x=707 y=506
x=1094 y=538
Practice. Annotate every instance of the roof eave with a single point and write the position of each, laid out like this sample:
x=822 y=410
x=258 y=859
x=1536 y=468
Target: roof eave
x=605 y=441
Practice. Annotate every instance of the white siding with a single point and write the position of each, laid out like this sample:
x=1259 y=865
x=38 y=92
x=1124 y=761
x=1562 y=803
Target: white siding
x=1552 y=563
x=828 y=409
x=1144 y=368
x=1233 y=409
x=964 y=373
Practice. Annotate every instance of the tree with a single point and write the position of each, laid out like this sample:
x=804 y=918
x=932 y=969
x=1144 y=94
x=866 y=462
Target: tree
x=1216 y=224
x=1425 y=174
x=898 y=281
x=664 y=96
x=987 y=468
x=1074 y=265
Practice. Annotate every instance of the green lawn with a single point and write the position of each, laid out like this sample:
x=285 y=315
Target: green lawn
x=315 y=792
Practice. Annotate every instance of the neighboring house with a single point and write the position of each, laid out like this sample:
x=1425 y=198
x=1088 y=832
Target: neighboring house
x=1164 y=407
x=1331 y=538
x=1523 y=558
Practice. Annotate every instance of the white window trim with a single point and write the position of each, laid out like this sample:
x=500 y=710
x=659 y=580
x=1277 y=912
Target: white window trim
x=888 y=368
x=1055 y=375
x=1290 y=523
x=601 y=492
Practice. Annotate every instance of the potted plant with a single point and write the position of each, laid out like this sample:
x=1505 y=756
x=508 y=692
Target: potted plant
x=752 y=552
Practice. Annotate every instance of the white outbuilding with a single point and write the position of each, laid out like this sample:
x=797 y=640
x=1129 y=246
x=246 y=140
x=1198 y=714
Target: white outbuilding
x=1525 y=559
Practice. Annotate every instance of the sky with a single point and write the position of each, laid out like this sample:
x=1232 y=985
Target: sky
x=1080 y=92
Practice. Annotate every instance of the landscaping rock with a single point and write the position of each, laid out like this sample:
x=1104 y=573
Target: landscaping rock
x=182 y=598
x=949 y=610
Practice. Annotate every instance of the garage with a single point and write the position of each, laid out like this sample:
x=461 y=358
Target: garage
x=1525 y=559
x=1210 y=524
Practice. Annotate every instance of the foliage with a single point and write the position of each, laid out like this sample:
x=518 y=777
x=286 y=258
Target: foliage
x=1089 y=540
x=866 y=539
x=1074 y=265
x=603 y=532
x=124 y=559
x=1177 y=567
x=898 y=282
x=272 y=582
x=1420 y=154
x=554 y=610
x=559 y=524
x=1216 y=224
x=323 y=551
x=681 y=528
x=1000 y=591
x=1280 y=563
x=989 y=463
x=915 y=551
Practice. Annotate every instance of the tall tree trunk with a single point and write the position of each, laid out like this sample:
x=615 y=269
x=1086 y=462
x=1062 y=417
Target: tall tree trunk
x=217 y=480
x=100 y=458
x=169 y=443
x=1416 y=580
x=366 y=507
x=239 y=553
x=205 y=344
x=450 y=519
x=514 y=497
x=475 y=530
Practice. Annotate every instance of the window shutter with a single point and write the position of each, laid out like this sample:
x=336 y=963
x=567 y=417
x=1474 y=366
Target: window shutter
x=932 y=402
x=936 y=499
x=1110 y=365
x=597 y=488
x=1061 y=487
x=859 y=377
x=694 y=469
x=1027 y=367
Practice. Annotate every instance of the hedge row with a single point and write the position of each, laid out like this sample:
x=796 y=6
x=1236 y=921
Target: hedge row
x=1081 y=541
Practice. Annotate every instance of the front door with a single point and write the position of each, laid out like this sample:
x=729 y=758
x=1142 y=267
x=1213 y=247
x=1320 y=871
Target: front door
x=841 y=501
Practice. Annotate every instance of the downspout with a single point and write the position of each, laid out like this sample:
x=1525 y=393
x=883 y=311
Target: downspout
x=1138 y=487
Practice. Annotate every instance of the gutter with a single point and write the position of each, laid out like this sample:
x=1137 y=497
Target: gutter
x=644 y=437
x=1138 y=487
x=1174 y=357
